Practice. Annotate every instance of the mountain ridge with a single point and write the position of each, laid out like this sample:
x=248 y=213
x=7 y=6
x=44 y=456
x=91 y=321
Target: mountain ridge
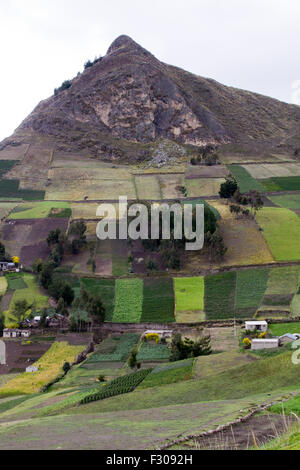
x=129 y=100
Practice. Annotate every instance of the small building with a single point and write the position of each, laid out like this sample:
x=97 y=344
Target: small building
x=32 y=369
x=265 y=343
x=259 y=325
x=15 y=333
x=288 y=338
x=7 y=266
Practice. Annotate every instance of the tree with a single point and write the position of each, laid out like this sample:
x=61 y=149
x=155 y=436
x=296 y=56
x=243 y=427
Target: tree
x=132 y=360
x=66 y=367
x=61 y=289
x=183 y=349
x=255 y=200
x=228 y=188
x=2 y=251
x=19 y=309
x=217 y=248
x=2 y=323
x=43 y=320
x=37 y=266
x=46 y=274
x=60 y=307
x=96 y=310
x=53 y=237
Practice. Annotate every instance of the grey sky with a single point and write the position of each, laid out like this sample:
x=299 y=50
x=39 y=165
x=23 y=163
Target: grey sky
x=250 y=44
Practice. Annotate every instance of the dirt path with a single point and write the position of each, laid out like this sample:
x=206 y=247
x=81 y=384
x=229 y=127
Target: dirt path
x=255 y=432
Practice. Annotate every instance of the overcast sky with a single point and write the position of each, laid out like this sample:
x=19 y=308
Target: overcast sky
x=250 y=44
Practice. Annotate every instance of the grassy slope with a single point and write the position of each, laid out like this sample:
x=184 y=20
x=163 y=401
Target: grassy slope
x=245 y=181
x=281 y=229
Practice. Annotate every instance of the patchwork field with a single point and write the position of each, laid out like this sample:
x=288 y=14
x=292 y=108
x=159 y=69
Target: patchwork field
x=281 y=229
x=26 y=238
x=203 y=186
x=219 y=296
x=10 y=190
x=288 y=183
x=214 y=171
x=148 y=187
x=246 y=244
x=250 y=288
x=158 y=301
x=128 y=301
x=189 y=299
x=170 y=184
x=270 y=170
x=244 y=179
x=287 y=201
x=41 y=210
x=49 y=364
x=6 y=208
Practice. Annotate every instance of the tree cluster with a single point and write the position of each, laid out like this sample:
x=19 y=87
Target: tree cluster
x=186 y=348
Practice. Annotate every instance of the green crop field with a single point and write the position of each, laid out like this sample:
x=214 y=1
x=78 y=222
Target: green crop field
x=189 y=298
x=169 y=373
x=283 y=328
x=9 y=189
x=40 y=210
x=283 y=280
x=158 y=301
x=245 y=181
x=114 y=348
x=250 y=288
x=189 y=293
x=206 y=204
x=153 y=352
x=129 y=300
x=282 y=183
x=106 y=289
x=287 y=201
x=219 y=295
x=281 y=229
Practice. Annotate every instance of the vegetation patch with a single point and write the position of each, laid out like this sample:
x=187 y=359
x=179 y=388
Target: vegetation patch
x=250 y=288
x=129 y=301
x=153 y=352
x=284 y=183
x=244 y=180
x=189 y=297
x=169 y=373
x=114 y=348
x=41 y=210
x=287 y=201
x=158 y=301
x=281 y=229
x=283 y=328
x=219 y=296
x=10 y=189
x=104 y=287
x=49 y=366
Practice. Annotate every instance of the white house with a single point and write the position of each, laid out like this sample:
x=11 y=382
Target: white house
x=270 y=343
x=15 y=333
x=32 y=369
x=259 y=325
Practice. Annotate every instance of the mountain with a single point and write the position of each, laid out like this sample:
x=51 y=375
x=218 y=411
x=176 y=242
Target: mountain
x=127 y=101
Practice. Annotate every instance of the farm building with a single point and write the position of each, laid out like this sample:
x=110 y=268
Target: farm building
x=32 y=369
x=259 y=325
x=15 y=333
x=288 y=338
x=7 y=266
x=265 y=343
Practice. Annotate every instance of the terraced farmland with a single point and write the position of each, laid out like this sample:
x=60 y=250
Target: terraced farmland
x=281 y=229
